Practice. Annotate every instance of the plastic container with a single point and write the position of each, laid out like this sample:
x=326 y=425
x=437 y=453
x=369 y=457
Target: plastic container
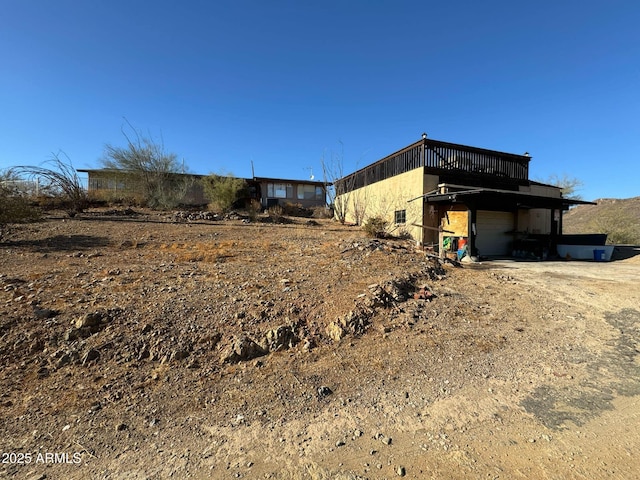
x=599 y=255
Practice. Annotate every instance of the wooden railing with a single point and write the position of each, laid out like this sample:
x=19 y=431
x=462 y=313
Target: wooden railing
x=439 y=157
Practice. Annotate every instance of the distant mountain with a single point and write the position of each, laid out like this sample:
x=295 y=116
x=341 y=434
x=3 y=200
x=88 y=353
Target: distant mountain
x=619 y=218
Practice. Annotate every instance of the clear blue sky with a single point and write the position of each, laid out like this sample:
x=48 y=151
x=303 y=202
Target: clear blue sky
x=286 y=82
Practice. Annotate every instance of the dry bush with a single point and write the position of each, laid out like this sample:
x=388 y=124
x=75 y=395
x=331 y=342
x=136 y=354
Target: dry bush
x=297 y=210
x=376 y=227
x=322 y=212
x=276 y=214
x=15 y=209
x=253 y=209
x=620 y=226
x=61 y=182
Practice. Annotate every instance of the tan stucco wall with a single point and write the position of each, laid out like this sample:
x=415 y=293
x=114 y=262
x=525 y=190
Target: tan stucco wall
x=385 y=197
x=536 y=220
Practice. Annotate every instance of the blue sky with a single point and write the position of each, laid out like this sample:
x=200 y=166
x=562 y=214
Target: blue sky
x=283 y=83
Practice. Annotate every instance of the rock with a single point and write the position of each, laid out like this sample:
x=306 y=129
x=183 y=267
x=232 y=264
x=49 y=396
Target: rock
x=339 y=443
x=243 y=348
x=121 y=427
x=44 y=313
x=279 y=338
x=89 y=320
x=324 y=391
x=308 y=345
x=335 y=331
x=401 y=471
x=386 y=440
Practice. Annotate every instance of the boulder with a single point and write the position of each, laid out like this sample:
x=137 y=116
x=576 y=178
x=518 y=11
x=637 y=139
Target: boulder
x=279 y=338
x=243 y=348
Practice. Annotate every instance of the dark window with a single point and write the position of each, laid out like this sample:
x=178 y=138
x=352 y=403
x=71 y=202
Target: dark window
x=401 y=216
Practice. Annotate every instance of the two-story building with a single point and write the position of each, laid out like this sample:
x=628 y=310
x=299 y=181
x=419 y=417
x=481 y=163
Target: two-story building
x=447 y=195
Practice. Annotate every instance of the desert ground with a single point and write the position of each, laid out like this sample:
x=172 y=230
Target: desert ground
x=142 y=345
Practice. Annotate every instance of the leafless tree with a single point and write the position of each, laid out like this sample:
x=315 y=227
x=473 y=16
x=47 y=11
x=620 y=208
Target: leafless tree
x=339 y=188
x=568 y=185
x=148 y=168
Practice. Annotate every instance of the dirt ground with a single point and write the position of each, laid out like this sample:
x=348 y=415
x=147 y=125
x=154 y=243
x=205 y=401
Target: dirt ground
x=133 y=346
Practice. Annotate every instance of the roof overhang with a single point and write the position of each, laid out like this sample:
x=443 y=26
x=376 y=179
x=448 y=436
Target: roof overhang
x=487 y=199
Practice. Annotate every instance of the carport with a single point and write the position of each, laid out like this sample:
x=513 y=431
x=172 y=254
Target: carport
x=496 y=222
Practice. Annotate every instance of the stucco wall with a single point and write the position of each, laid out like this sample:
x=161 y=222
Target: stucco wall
x=384 y=198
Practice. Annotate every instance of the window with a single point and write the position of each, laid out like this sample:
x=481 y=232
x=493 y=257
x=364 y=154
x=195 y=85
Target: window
x=309 y=192
x=279 y=190
x=400 y=216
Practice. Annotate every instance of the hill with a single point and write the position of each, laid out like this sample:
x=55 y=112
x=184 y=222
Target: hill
x=619 y=218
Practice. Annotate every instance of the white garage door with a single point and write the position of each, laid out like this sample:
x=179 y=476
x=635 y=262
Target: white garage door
x=492 y=237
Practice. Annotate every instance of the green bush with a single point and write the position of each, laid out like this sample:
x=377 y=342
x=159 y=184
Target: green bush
x=376 y=227
x=223 y=191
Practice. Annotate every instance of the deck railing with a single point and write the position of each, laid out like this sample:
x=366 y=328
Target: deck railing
x=439 y=157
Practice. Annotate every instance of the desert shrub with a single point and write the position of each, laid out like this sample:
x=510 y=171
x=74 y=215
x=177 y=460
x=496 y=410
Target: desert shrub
x=322 y=212
x=59 y=181
x=296 y=210
x=253 y=209
x=223 y=191
x=402 y=234
x=276 y=212
x=619 y=225
x=376 y=227
x=16 y=209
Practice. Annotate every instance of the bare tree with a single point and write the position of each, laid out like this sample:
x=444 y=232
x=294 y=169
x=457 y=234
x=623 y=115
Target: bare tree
x=360 y=202
x=568 y=185
x=339 y=188
x=148 y=168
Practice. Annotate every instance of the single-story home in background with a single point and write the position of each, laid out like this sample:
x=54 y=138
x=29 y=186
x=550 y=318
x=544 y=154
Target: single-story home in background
x=448 y=196
x=268 y=191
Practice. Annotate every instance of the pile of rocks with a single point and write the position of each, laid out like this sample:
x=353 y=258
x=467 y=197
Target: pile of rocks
x=193 y=216
x=382 y=296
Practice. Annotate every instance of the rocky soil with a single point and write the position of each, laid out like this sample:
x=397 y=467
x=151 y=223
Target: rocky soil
x=143 y=345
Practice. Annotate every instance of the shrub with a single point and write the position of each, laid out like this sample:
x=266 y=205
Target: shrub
x=253 y=209
x=223 y=191
x=322 y=212
x=16 y=209
x=297 y=210
x=376 y=227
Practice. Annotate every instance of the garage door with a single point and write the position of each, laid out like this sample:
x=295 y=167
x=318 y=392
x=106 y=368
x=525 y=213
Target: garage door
x=492 y=237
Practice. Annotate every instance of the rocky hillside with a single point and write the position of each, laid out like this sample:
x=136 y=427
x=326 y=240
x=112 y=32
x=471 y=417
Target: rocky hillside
x=619 y=218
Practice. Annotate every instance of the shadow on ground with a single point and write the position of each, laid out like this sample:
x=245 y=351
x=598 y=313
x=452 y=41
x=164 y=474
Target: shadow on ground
x=59 y=243
x=623 y=252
